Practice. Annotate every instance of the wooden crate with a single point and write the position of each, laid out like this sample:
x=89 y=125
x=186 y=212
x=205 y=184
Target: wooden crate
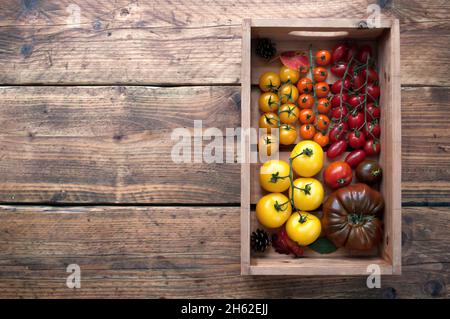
x=324 y=33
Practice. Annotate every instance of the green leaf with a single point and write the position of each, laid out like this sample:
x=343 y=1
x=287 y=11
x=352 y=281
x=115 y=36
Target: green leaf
x=323 y=246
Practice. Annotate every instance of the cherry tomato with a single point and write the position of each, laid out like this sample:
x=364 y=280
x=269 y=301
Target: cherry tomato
x=273 y=210
x=351 y=52
x=288 y=93
x=269 y=81
x=323 y=57
x=336 y=87
x=321 y=139
x=288 y=113
x=373 y=112
x=268 y=102
x=339 y=112
x=355 y=157
x=355 y=101
x=372 y=147
x=306 y=101
x=372 y=129
x=363 y=54
x=307 y=131
x=355 y=120
x=320 y=74
x=322 y=122
x=289 y=75
x=356 y=139
x=322 y=89
x=338 y=174
x=373 y=92
x=323 y=105
x=336 y=149
x=338 y=132
x=268 y=121
x=288 y=134
x=339 y=52
x=336 y=100
x=358 y=82
x=307 y=116
x=304 y=85
x=372 y=75
x=339 y=68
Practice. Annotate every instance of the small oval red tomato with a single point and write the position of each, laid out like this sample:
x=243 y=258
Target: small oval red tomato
x=373 y=92
x=321 y=139
x=323 y=57
x=355 y=101
x=339 y=112
x=338 y=69
x=336 y=149
x=355 y=120
x=364 y=53
x=372 y=75
x=323 y=105
x=338 y=132
x=353 y=49
x=336 y=87
x=372 y=129
x=355 y=157
x=372 y=147
x=358 y=82
x=356 y=139
x=373 y=111
x=336 y=100
x=322 y=89
x=338 y=174
x=320 y=74
x=339 y=52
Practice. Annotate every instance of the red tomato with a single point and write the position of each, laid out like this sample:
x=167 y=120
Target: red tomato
x=372 y=129
x=336 y=149
x=351 y=52
x=372 y=75
x=338 y=132
x=373 y=112
x=323 y=57
x=339 y=68
x=336 y=100
x=338 y=174
x=364 y=52
x=336 y=87
x=339 y=112
x=355 y=101
x=355 y=120
x=373 y=92
x=339 y=52
x=358 y=82
x=356 y=139
x=372 y=147
x=355 y=157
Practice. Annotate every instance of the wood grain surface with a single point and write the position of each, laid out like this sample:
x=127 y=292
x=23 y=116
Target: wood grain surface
x=159 y=252
x=184 y=42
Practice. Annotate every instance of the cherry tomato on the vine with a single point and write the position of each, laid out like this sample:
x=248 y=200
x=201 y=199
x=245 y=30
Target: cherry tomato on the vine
x=320 y=74
x=355 y=120
x=307 y=116
x=323 y=57
x=321 y=139
x=323 y=105
x=355 y=101
x=338 y=132
x=304 y=85
x=339 y=112
x=338 y=174
x=269 y=81
x=339 y=52
x=322 y=122
x=288 y=113
x=373 y=111
x=288 y=134
x=356 y=139
x=355 y=157
x=336 y=100
x=307 y=131
x=336 y=87
x=373 y=92
x=289 y=75
x=322 y=89
x=372 y=129
x=269 y=121
x=363 y=54
x=288 y=93
x=372 y=75
x=339 y=68
x=372 y=147
x=305 y=101
x=336 y=149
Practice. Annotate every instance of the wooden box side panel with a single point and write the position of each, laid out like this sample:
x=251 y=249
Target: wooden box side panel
x=245 y=147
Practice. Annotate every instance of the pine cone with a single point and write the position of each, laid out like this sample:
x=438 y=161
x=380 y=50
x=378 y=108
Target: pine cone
x=265 y=48
x=259 y=240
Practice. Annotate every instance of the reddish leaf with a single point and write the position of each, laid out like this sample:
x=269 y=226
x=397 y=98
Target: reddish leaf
x=295 y=60
x=284 y=245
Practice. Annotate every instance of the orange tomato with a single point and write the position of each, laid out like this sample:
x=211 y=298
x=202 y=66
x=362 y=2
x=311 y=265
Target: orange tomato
x=305 y=85
x=307 y=116
x=321 y=139
x=307 y=131
x=268 y=121
x=322 y=122
x=306 y=101
x=323 y=105
x=323 y=57
x=320 y=74
x=288 y=113
x=288 y=134
x=322 y=89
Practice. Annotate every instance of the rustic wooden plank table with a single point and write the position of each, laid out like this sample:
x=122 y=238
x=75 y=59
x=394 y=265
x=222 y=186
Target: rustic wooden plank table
x=87 y=105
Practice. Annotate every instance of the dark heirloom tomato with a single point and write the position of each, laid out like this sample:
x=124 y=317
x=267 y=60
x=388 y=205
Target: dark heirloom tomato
x=369 y=171
x=352 y=217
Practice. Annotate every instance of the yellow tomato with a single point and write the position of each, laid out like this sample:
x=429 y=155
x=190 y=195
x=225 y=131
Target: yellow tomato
x=273 y=210
x=269 y=121
x=274 y=176
x=268 y=102
x=307 y=158
x=289 y=75
x=303 y=228
x=288 y=93
x=308 y=193
x=269 y=81
x=268 y=143
x=288 y=134
x=289 y=113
